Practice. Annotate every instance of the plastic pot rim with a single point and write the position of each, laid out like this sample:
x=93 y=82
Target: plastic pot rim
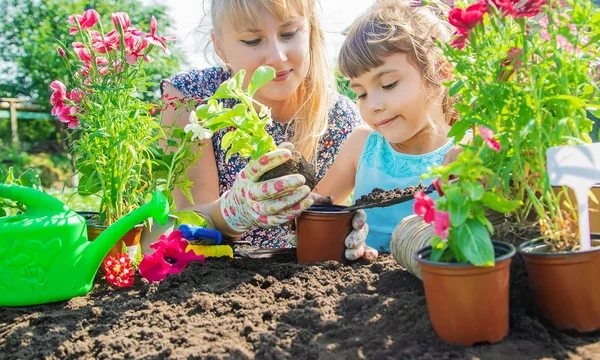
x=508 y=251
x=526 y=248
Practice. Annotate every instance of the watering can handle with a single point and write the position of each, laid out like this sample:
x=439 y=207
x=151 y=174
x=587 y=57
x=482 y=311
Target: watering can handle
x=33 y=199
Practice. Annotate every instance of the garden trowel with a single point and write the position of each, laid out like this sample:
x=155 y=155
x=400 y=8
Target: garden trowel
x=577 y=167
x=431 y=188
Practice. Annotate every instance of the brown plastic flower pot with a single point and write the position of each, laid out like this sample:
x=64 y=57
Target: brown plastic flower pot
x=321 y=231
x=565 y=284
x=131 y=238
x=468 y=304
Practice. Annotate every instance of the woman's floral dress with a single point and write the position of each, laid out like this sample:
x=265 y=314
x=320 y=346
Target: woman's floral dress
x=343 y=118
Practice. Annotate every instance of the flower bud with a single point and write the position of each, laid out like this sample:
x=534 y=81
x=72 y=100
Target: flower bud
x=61 y=52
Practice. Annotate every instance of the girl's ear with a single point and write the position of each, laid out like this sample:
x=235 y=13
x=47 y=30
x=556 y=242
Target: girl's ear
x=218 y=47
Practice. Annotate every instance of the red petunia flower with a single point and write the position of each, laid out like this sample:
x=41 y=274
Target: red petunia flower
x=468 y=18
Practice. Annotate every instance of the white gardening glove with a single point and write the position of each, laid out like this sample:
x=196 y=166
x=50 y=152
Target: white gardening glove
x=265 y=203
x=355 y=241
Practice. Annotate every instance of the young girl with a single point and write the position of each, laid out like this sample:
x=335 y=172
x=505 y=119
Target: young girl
x=397 y=70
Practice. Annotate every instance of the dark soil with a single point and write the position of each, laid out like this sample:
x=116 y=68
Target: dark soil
x=272 y=309
x=378 y=195
x=297 y=165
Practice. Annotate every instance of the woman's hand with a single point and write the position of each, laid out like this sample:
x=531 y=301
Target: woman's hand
x=267 y=203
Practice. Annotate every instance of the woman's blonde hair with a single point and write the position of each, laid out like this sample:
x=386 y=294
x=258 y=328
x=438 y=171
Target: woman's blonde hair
x=392 y=26
x=312 y=98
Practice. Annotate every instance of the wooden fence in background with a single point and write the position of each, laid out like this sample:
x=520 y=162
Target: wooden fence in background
x=17 y=109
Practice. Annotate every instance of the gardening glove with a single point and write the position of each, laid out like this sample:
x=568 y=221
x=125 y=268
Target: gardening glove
x=355 y=241
x=269 y=203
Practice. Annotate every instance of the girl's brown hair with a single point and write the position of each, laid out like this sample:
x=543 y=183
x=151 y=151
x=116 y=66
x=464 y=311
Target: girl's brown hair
x=312 y=98
x=392 y=26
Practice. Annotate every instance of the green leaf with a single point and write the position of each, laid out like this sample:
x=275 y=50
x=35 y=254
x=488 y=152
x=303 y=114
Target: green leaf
x=438 y=248
x=226 y=140
x=262 y=75
x=474 y=242
x=228 y=89
x=459 y=211
x=498 y=203
x=30 y=179
x=456 y=87
x=459 y=129
x=474 y=190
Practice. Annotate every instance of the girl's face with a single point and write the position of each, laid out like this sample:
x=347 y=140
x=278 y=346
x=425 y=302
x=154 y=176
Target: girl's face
x=392 y=99
x=280 y=44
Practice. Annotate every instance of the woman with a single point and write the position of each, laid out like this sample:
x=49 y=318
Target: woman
x=286 y=35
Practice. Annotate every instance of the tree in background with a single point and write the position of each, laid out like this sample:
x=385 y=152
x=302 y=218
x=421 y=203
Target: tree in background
x=29 y=61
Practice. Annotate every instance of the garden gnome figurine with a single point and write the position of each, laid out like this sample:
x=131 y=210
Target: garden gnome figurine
x=577 y=167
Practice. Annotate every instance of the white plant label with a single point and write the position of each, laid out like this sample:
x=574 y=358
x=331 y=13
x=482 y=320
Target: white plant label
x=577 y=167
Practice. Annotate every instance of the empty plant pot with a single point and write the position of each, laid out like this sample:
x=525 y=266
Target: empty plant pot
x=468 y=304
x=410 y=235
x=565 y=284
x=321 y=231
x=151 y=234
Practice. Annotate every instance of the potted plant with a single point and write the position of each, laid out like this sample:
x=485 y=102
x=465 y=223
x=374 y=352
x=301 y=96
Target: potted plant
x=113 y=128
x=465 y=273
x=527 y=71
x=248 y=138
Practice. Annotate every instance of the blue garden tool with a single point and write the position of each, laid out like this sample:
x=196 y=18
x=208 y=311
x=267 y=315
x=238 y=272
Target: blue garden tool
x=200 y=235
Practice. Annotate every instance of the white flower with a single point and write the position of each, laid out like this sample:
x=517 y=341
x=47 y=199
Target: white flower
x=266 y=112
x=195 y=127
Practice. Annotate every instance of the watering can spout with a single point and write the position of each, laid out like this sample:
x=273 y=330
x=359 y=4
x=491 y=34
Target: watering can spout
x=95 y=251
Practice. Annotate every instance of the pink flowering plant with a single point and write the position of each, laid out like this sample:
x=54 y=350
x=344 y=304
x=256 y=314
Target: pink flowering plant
x=460 y=224
x=525 y=75
x=170 y=257
x=122 y=151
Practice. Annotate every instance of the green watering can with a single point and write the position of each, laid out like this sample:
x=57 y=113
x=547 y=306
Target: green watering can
x=45 y=255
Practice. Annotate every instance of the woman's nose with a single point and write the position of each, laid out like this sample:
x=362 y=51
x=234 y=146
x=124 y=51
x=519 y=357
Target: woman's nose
x=276 y=54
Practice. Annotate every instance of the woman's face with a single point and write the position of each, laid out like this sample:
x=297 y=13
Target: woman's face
x=280 y=44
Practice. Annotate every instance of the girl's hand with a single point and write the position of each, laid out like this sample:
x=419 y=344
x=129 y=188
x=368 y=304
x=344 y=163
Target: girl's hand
x=267 y=203
x=452 y=154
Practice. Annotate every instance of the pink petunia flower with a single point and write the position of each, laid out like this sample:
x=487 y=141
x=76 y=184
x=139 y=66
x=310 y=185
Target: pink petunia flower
x=169 y=257
x=442 y=224
x=424 y=207
x=488 y=137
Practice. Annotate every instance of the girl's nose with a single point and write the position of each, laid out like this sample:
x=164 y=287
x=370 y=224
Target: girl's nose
x=276 y=54
x=375 y=105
